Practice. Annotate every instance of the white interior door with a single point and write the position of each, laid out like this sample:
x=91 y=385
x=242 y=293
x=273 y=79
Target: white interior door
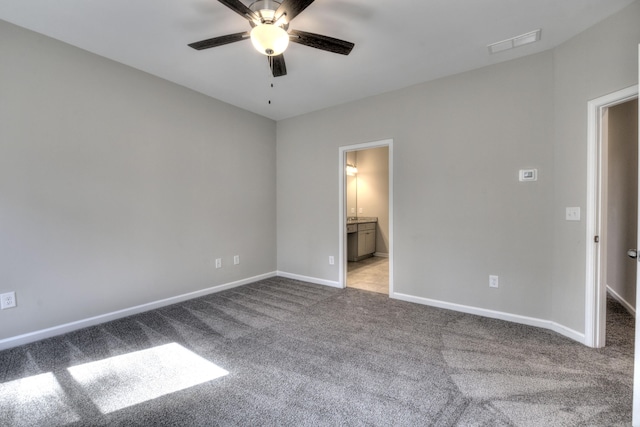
x=636 y=374
x=596 y=213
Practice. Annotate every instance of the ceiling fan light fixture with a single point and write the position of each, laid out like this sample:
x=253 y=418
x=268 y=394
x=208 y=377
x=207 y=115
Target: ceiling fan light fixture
x=269 y=39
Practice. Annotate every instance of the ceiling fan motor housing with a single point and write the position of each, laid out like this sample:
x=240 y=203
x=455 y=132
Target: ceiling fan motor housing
x=266 y=9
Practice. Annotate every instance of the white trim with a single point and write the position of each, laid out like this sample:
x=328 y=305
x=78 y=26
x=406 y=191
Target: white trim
x=342 y=207
x=595 y=298
x=119 y=314
x=342 y=236
x=622 y=301
x=315 y=280
x=524 y=320
x=635 y=412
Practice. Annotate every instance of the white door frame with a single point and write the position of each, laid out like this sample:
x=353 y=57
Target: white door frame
x=342 y=222
x=596 y=214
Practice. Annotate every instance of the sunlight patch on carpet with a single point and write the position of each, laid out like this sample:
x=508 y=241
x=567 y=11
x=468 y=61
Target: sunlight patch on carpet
x=122 y=381
x=33 y=401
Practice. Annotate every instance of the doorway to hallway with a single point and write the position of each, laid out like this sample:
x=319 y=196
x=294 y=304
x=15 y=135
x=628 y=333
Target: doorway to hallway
x=612 y=214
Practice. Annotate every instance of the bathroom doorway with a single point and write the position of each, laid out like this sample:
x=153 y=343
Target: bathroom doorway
x=366 y=217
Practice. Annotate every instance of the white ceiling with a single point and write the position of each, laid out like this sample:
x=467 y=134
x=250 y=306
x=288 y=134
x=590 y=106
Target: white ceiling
x=398 y=43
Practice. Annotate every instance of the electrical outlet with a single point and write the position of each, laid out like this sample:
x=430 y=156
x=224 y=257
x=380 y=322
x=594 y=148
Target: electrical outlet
x=331 y=260
x=8 y=300
x=493 y=281
x=218 y=262
x=236 y=259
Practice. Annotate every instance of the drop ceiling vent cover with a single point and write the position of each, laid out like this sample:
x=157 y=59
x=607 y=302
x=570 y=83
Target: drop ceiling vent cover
x=516 y=41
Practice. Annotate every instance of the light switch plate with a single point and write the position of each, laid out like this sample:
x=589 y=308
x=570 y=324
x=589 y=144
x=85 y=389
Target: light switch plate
x=528 y=175
x=573 y=214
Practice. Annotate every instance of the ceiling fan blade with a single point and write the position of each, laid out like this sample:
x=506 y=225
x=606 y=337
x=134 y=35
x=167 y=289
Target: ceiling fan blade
x=321 y=42
x=292 y=8
x=278 y=67
x=219 y=41
x=239 y=8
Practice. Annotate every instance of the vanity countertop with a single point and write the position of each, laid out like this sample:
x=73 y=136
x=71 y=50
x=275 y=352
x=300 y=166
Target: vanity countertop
x=361 y=220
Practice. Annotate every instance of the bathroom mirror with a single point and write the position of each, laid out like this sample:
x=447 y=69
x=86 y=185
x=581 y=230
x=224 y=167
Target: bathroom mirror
x=352 y=186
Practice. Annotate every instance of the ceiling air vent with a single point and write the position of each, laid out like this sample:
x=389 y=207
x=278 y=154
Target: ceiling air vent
x=516 y=41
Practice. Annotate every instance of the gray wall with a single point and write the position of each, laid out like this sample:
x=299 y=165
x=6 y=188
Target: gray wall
x=460 y=212
x=118 y=188
x=622 y=199
x=599 y=61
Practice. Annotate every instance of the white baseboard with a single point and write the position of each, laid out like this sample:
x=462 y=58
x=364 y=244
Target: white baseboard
x=92 y=321
x=315 y=280
x=622 y=301
x=530 y=321
x=381 y=254
x=525 y=320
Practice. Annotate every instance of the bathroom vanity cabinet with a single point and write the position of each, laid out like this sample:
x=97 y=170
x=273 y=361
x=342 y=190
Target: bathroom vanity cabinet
x=361 y=240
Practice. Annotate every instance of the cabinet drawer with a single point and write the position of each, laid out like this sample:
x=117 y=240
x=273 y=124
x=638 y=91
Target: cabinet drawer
x=352 y=228
x=367 y=226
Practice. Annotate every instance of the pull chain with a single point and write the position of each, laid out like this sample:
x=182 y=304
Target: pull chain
x=270 y=100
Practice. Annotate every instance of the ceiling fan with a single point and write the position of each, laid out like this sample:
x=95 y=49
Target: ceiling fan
x=270 y=33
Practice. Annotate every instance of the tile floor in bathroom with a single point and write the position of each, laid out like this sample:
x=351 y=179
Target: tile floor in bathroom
x=371 y=274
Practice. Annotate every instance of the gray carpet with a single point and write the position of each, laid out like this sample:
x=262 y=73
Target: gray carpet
x=282 y=352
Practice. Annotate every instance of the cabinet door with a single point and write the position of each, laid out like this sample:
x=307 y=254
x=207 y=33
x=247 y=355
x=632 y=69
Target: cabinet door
x=366 y=242
x=370 y=242
x=362 y=243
